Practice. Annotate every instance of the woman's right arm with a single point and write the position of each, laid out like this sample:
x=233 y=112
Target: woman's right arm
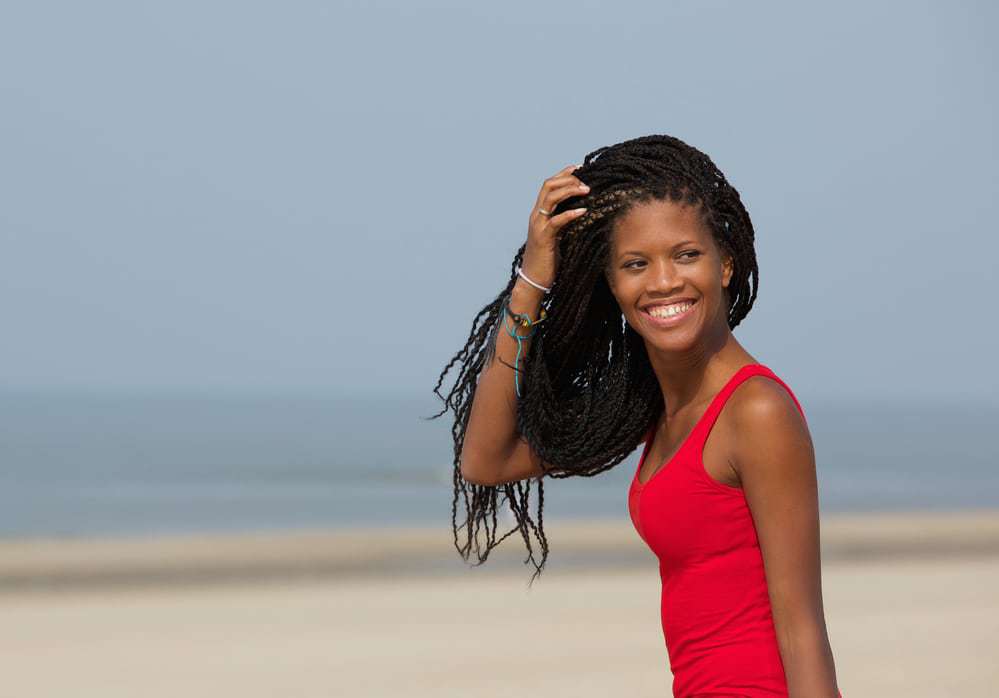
x=492 y=452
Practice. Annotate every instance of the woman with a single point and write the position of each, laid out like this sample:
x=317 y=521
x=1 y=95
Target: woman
x=617 y=324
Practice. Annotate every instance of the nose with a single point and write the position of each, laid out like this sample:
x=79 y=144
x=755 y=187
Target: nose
x=664 y=279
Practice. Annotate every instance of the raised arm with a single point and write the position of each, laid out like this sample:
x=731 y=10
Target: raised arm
x=492 y=452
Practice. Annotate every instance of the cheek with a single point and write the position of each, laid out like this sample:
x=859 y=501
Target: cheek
x=709 y=276
x=622 y=291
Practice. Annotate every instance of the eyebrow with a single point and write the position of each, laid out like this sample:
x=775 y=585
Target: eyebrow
x=679 y=244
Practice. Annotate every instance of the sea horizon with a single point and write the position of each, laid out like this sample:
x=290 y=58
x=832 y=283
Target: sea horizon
x=125 y=464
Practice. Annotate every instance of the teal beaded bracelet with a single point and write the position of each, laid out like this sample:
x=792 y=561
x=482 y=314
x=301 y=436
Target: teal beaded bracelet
x=524 y=320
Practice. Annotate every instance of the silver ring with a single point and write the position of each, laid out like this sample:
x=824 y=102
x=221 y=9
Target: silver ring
x=544 y=212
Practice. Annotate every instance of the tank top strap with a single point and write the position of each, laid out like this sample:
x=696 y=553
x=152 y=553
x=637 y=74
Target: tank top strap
x=707 y=421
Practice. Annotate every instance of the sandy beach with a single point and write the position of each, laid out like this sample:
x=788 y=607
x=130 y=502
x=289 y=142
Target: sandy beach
x=912 y=605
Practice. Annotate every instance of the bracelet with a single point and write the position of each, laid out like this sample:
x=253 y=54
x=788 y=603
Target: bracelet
x=524 y=320
x=520 y=272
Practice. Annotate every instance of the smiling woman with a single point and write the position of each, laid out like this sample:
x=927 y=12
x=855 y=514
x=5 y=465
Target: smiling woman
x=617 y=324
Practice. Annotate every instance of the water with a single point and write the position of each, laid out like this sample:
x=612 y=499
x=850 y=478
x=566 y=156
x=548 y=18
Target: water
x=80 y=465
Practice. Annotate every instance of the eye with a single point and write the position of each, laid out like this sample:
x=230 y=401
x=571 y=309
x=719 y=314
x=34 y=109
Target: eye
x=629 y=264
x=694 y=254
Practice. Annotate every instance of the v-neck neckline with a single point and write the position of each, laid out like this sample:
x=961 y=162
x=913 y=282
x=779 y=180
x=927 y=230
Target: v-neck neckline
x=650 y=437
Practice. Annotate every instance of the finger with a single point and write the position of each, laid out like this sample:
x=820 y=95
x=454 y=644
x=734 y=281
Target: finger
x=567 y=191
x=562 y=219
x=561 y=178
x=550 y=196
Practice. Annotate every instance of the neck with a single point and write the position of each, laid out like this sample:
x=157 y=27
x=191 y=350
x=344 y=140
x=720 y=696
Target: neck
x=692 y=377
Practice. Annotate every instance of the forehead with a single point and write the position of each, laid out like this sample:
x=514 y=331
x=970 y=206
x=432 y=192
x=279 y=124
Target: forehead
x=660 y=222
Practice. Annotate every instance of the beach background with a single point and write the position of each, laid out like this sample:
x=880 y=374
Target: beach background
x=240 y=242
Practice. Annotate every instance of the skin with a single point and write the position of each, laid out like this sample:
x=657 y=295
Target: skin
x=661 y=250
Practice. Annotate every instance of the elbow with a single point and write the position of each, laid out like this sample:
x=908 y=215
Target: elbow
x=808 y=632
x=806 y=639
x=475 y=479
x=475 y=475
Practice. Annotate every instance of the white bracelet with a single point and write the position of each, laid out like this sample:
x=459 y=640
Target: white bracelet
x=537 y=286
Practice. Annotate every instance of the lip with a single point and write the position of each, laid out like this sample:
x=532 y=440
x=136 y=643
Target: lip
x=670 y=321
x=672 y=301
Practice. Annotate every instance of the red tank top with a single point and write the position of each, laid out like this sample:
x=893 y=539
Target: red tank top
x=715 y=608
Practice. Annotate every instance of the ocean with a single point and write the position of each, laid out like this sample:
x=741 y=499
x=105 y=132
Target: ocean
x=134 y=465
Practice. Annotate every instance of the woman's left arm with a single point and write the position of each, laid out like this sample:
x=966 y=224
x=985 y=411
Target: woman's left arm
x=775 y=461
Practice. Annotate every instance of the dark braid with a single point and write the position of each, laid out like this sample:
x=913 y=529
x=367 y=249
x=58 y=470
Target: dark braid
x=589 y=394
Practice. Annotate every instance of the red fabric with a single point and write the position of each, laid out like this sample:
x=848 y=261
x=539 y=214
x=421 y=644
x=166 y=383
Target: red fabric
x=715 y=609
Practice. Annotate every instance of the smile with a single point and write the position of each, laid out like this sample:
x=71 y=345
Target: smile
x=669 y=315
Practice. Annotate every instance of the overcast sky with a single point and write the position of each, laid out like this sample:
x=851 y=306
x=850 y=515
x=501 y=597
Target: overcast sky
x=320 y=196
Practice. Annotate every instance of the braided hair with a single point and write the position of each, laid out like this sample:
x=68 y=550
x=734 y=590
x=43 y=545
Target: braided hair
x=589 y=394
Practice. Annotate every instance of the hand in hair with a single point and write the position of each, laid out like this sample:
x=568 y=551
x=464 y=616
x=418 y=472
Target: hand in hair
x=541 y=253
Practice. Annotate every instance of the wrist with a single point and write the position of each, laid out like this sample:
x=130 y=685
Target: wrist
x=522 y=312
x=539 y=278
x=538 y=264
x=523 y=294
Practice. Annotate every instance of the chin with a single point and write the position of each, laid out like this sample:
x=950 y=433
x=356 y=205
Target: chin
x=679 y=345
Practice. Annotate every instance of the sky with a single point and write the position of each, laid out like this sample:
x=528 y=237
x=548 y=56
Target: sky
x=223 y=197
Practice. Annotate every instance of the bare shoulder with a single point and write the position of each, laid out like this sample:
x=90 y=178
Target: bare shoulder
x=760 y=397
x=762 y=411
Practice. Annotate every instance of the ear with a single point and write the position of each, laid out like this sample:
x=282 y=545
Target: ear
x=728 y=267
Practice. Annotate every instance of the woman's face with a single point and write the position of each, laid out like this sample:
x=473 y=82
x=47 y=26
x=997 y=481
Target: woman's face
x=663 y=259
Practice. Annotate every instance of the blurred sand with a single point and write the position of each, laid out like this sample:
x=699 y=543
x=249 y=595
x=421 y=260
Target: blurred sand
x=912 y=605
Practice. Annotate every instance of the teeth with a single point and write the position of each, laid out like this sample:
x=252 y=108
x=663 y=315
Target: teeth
x=669 y=310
